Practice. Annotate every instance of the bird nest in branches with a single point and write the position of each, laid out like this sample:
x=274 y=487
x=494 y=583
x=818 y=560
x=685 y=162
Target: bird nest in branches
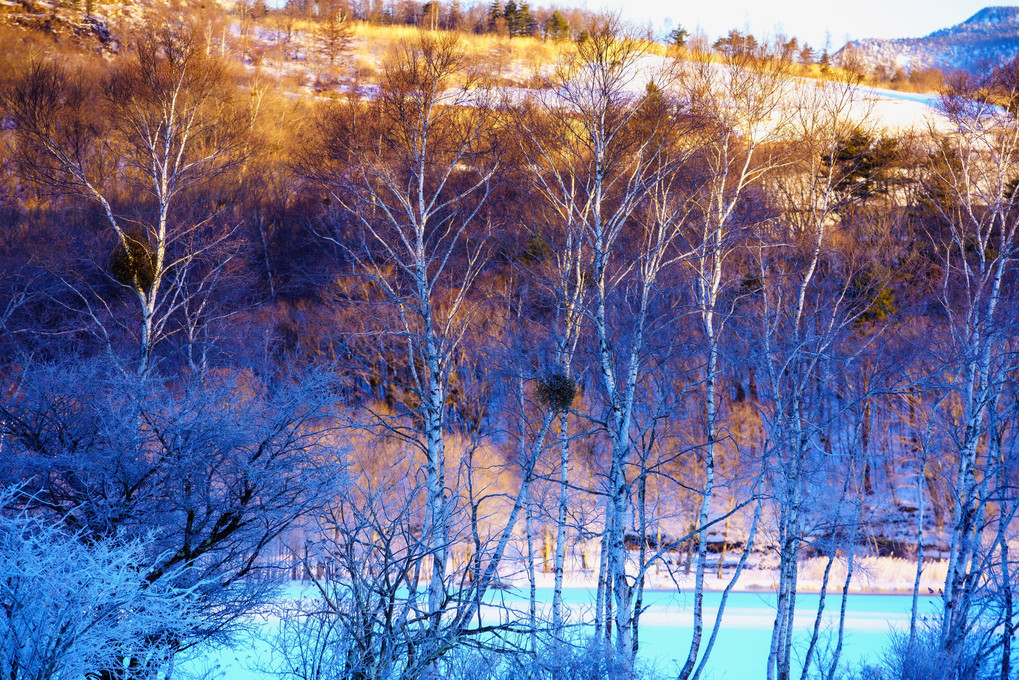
x=557 y=391
x=134 y=264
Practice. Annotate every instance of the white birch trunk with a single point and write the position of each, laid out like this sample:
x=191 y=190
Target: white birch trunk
x=560 y=544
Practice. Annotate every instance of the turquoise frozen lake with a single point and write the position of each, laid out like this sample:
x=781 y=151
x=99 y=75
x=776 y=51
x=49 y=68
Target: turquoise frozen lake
x=740 y=651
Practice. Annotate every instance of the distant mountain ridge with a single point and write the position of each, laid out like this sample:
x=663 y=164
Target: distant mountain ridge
x=989 y=36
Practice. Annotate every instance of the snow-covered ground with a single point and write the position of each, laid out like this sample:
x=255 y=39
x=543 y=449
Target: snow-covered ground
x=888 y=110
x=871 y=575
x=894 y=112
x=899 y=111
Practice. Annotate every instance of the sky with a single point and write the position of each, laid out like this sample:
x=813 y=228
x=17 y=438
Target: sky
x=806 y=19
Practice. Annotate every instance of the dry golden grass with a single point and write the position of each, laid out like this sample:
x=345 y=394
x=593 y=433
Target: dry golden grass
x=375 y=39
x=516 y=61
x=513 y=59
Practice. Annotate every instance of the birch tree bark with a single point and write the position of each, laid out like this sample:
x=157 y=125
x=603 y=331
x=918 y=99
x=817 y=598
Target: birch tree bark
x=805 y=315
x=412 y=169
x=739 y=107
x=969 y=183
x=600 y=142
x=163 y=126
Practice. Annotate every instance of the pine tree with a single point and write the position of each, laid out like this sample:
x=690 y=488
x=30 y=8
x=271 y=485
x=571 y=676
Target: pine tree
x=806 y=55
x=789 y=49
x=511 y=14
x=678 y=36
x=494 y=14
x=430 y=15
x=454 y=18
x=556 y=27
x=525 y=22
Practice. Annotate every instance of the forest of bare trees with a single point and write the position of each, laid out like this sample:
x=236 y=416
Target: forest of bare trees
x=653 y=320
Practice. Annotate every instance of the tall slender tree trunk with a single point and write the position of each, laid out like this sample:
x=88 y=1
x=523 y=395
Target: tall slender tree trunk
x=600 y=612
x=751 y=542
x=726 y=532
x=781 y=641
x=435 y=482
x=621 y=584
x=532 y=610
x=1008 y=628
x=815 y=632
x=638 y=603
x=705 y=509
x=1005 y=515
x=837 y=654
x=560 y=549
x=913 y=612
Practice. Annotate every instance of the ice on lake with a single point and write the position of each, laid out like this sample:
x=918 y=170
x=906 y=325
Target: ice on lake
x=740 y=651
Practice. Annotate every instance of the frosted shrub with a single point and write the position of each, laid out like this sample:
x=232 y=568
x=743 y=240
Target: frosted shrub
x=923 y=658
x=579 y=660
x=74 y=609
x=312 y=643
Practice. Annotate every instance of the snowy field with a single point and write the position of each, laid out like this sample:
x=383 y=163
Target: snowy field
x=891 y=111
x=741 y=649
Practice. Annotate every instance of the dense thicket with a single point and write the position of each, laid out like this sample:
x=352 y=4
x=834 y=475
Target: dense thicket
x=650 y=318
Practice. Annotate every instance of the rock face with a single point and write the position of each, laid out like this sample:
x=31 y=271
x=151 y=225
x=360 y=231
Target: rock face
x=86 y=25
x=989 y=36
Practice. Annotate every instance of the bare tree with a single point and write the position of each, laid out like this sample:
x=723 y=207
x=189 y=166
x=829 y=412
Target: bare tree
x=412 y=168
x=208 y=470
x=970 y=184
x=741 y=110
x=805 y=314
x=371 y=556
x=367 y=564
x=335 y=30
x=600 y=141
x=163 y=128
x=560 y=278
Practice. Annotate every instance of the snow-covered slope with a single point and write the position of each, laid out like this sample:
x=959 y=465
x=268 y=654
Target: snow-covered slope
x=989 y=36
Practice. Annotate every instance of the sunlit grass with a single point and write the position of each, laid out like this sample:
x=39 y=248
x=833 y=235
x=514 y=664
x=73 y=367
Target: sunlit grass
x=505 y=61
x=513 y=60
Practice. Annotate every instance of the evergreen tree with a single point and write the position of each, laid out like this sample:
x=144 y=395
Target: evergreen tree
x=736 y=43
x=678 y=36
x=511 y=14
x=494 y=14
x=806 y=55
x=789 y=49
x=430 y=15
x=454 y=18
x=556 y=27
x=525 y=22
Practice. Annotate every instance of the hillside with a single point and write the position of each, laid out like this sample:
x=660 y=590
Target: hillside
x=989 y=36
x=421 y=304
